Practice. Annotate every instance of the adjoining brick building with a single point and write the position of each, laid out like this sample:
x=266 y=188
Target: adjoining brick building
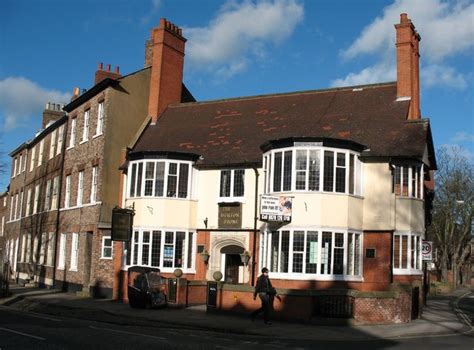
x=348 y=165
x=30 y=230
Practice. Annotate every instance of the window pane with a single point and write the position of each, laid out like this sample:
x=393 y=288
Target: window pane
x=179 y=249
x=413 y=252
x=168 y=249
x=133 y=180
x=145 y=247
x=183 y=180
x=405 y=181
x=398 y=180
x=285 y=251
x=357 y=252
x=135 y=248
x=225 y=183
x=277 y=173
x=351 y=173
x=160 y=179
x=298 y=248
x=326 y=248
x=396 y=252
x=341 y=173
x=413 y=182
x=417 y=252
x=404 y=251
x=314 y=164
x=149 y=173
x=139 y=179
x=239 y=182
x=274 y=251
x=156 y=248
x=301 y=163
x=339 y=254
x=172 y=179
x=328 y=171
x=190 y=250
x=311 y=252
x=350 y=254
x=287 y=171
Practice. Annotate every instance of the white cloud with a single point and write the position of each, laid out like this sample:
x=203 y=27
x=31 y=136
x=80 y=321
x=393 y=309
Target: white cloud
x=446 y=29
x=155 y=6
x=239 y=34
x=22 y=99
x=463 y=137
x=377 y=73
x=459 y=151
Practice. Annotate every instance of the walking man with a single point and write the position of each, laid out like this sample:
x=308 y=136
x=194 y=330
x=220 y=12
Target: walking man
x=265 y=292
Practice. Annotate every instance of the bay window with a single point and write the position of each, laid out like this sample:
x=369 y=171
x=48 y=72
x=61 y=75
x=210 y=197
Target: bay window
x=166 y=249
x=406 y=253
x=164 y=178
x=312 y=168
x=408 y=181
x=312 y=254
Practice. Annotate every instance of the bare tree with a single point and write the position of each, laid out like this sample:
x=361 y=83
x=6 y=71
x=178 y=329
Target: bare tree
x=453 y=211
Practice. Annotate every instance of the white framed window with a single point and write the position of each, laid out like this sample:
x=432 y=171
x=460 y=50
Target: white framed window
x=35 y=251
x=23 y=248
x=107 y=247
x=15 y=213
x=312 y=169
x=74 y=252
x=232 y=184
x=20 y=163
x=407 y=257
x=14 y=167
x=317 y=254
x=33 y=159
x=165 y=178
x=21 y=205
x=12 y=207
x=166 y=249
x=59 y=146
x=54 y=199
x=85 y=130
x=100 y=119
x=43 y=246
x=408 y=181
x=52 y=145
x=28 y=248
x=67 y=195
x=47 y=197
x=50 y=253
x=62 y=251
x=72 y=136
x=41 y=152
x=2 y=231
x=36 y=201
x=28 y=203
x=80 y=187
x=93 y=197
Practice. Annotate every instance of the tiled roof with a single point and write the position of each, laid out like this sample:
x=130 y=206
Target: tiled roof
x=226 y=132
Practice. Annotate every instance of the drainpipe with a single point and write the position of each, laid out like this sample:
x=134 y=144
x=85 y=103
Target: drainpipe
x=254 y=248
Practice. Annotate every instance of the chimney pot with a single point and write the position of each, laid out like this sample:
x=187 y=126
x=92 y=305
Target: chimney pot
x=117 y=69
x=108 y=67
x=101 y=66
x=403 y=18
x=162 y=22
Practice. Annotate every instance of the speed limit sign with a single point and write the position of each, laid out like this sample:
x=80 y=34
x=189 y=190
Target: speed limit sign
x=427 y=250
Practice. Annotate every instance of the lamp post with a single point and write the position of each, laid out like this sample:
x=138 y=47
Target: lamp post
x=245 y=257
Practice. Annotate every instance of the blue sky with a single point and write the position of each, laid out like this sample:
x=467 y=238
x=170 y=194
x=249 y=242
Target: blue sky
x=235 y=48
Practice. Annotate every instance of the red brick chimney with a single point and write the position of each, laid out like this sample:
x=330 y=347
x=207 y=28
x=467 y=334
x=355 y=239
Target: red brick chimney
x=408 y=68
x=101 y=74
x=167 y=61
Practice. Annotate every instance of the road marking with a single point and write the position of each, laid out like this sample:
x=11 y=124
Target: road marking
x=30 y=314
x=21 y=333
x=461 y=313
x=125 y=332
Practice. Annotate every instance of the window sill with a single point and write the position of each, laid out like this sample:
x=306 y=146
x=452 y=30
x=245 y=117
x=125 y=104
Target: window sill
x=106 y=258
x=80 y=206
x=409 y=198
x=73 y=269
x=96 y=136
x=406 y=272
x=61 y=268
x=83 y=141
x=315 y=277
x=69 y=148
x=231 y=200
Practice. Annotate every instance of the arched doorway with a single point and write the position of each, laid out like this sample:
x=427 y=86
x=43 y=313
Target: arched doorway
x=232 y=266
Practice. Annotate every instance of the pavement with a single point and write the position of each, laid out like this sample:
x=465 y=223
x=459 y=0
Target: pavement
x=441 y=317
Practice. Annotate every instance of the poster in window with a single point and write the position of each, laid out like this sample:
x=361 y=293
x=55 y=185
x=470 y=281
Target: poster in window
x=168 y=252
x=313 y=252
x=274 y=208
